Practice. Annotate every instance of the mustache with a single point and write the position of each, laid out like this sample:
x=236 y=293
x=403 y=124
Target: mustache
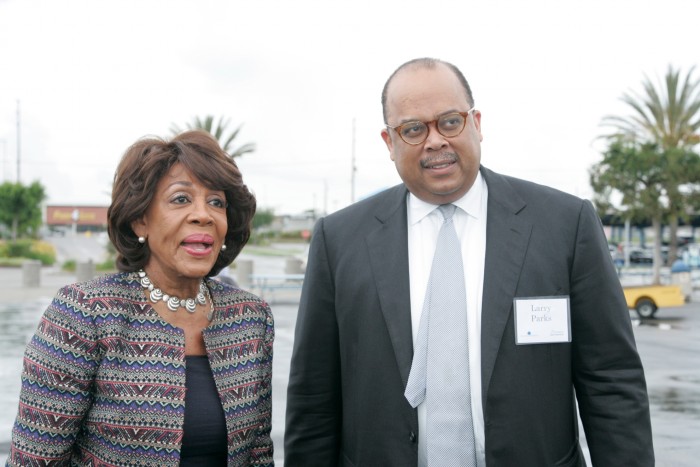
x=442 y=158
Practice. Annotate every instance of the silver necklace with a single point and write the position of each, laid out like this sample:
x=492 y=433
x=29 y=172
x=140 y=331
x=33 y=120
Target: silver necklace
x=173 y=302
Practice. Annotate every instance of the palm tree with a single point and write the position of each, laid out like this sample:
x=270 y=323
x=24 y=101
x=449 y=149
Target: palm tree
x=667 y=115
x=218 y=132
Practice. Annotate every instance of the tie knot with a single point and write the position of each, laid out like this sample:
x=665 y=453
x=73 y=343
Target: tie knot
x=447 y=211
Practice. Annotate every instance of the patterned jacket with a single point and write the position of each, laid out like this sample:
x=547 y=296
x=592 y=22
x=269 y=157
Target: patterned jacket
x=103 y=382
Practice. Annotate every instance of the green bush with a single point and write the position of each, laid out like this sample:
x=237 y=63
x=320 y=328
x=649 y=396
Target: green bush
x=19 y=248
x=107 y=265
x=261 y=238
x=44 y=252
x=11 y=262
x=29 y=249
x=291 y=235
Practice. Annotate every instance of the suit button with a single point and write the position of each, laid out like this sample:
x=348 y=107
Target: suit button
x=412 y=437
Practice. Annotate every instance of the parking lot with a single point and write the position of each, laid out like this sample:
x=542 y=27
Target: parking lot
x=669 y=347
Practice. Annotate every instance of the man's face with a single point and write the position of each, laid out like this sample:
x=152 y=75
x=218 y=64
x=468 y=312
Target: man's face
x=441 y=169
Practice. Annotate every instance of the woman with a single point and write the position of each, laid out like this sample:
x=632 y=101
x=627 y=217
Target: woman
x=158 y=364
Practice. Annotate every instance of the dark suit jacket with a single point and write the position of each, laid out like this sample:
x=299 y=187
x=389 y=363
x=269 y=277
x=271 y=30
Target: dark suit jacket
x=353 y=344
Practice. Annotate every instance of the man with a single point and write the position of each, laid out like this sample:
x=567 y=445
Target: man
x=544 y=319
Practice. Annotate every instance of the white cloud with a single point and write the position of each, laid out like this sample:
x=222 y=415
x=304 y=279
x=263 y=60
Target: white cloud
x=92 y=77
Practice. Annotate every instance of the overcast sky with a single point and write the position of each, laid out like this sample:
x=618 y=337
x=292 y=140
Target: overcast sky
x=91 y=77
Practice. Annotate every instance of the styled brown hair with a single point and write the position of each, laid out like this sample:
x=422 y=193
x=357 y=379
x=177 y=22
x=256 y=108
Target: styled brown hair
x=141 y=168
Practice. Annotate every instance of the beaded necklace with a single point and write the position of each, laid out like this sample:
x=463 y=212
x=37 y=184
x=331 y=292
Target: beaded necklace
x=173 y=302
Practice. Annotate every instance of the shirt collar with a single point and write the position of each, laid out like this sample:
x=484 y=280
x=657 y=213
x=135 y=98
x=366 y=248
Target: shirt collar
x=469 y=203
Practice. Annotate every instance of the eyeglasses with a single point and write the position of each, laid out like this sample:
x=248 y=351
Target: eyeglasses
x=416 y=132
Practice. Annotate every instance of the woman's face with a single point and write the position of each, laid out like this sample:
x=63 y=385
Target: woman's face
x=185 y=226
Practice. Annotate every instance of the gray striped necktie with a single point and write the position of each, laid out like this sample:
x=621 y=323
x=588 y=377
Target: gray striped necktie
x=440 y=369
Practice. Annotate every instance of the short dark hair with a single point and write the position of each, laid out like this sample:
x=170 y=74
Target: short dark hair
x=141 y=168
x=428 y=63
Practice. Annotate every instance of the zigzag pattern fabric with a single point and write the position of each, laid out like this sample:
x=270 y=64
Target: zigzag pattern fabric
x=103 y=382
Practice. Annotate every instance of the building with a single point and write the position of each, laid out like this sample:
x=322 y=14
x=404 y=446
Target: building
x=60 y=219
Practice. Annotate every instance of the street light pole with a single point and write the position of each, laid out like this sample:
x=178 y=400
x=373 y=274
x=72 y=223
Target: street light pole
x=353 y=169
x=3 y=160
x=19 y=143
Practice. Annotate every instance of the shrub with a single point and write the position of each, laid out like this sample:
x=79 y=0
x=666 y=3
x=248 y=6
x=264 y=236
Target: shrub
x=11 y=262
x=43 y=251
x=19 y=248
x=107 y=265
x=294 y=235
x=29 y=249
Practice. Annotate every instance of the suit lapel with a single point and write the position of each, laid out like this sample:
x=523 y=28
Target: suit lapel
x=388 y=253
x=507 y=237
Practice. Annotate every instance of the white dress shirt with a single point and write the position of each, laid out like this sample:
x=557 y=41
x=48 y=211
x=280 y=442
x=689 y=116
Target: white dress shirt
x=424 y=223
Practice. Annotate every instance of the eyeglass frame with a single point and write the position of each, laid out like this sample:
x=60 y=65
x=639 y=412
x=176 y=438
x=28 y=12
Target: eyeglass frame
x=465 y=115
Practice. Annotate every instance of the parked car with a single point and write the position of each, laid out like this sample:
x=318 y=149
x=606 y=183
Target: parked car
x=640 y=256
x=647 y=299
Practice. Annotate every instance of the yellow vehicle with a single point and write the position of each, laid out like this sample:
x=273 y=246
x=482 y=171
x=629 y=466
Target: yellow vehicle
x=647 y=299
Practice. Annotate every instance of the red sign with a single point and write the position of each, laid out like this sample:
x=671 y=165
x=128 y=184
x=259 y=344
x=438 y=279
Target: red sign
x=80 y=215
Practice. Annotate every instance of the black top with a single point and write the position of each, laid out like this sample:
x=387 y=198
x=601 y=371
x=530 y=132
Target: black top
x=204 y=438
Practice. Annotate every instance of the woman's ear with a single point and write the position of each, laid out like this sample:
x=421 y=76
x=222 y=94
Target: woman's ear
x=139 y=227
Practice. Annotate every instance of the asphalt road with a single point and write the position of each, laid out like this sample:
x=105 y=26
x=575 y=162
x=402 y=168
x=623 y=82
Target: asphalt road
x=669 y=347
x=670 y=350
x=80 y=247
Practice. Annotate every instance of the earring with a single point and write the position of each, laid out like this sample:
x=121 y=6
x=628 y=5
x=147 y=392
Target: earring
x=142 y=240
x=223 y=247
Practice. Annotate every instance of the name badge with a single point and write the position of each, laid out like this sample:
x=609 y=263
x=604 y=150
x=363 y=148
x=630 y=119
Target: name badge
x=542 y=320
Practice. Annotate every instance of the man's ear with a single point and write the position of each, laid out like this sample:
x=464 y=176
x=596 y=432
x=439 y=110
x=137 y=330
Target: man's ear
x=389 y=143
x=477 y=123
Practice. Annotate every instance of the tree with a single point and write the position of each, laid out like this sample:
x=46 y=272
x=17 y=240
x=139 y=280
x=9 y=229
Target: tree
x=263 y=217
x=220 y=132
x=654 y=184
x=668 y=116
x=636 y=173
x=20 y=208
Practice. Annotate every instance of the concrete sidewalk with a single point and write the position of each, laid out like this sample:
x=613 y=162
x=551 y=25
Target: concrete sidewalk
x=13 y=288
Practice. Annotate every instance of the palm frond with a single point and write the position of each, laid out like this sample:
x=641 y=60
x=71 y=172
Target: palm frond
x=666 y=112
x=219 y=130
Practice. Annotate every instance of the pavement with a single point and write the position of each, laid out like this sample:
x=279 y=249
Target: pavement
x=669 y=347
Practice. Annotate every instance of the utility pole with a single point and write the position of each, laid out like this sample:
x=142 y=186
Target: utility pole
x=19 y=143
x=3 y=161
x=353 y=169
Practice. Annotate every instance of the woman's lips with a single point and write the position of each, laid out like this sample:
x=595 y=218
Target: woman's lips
x=198 y=244
x=197 y=249
x=199 y=238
